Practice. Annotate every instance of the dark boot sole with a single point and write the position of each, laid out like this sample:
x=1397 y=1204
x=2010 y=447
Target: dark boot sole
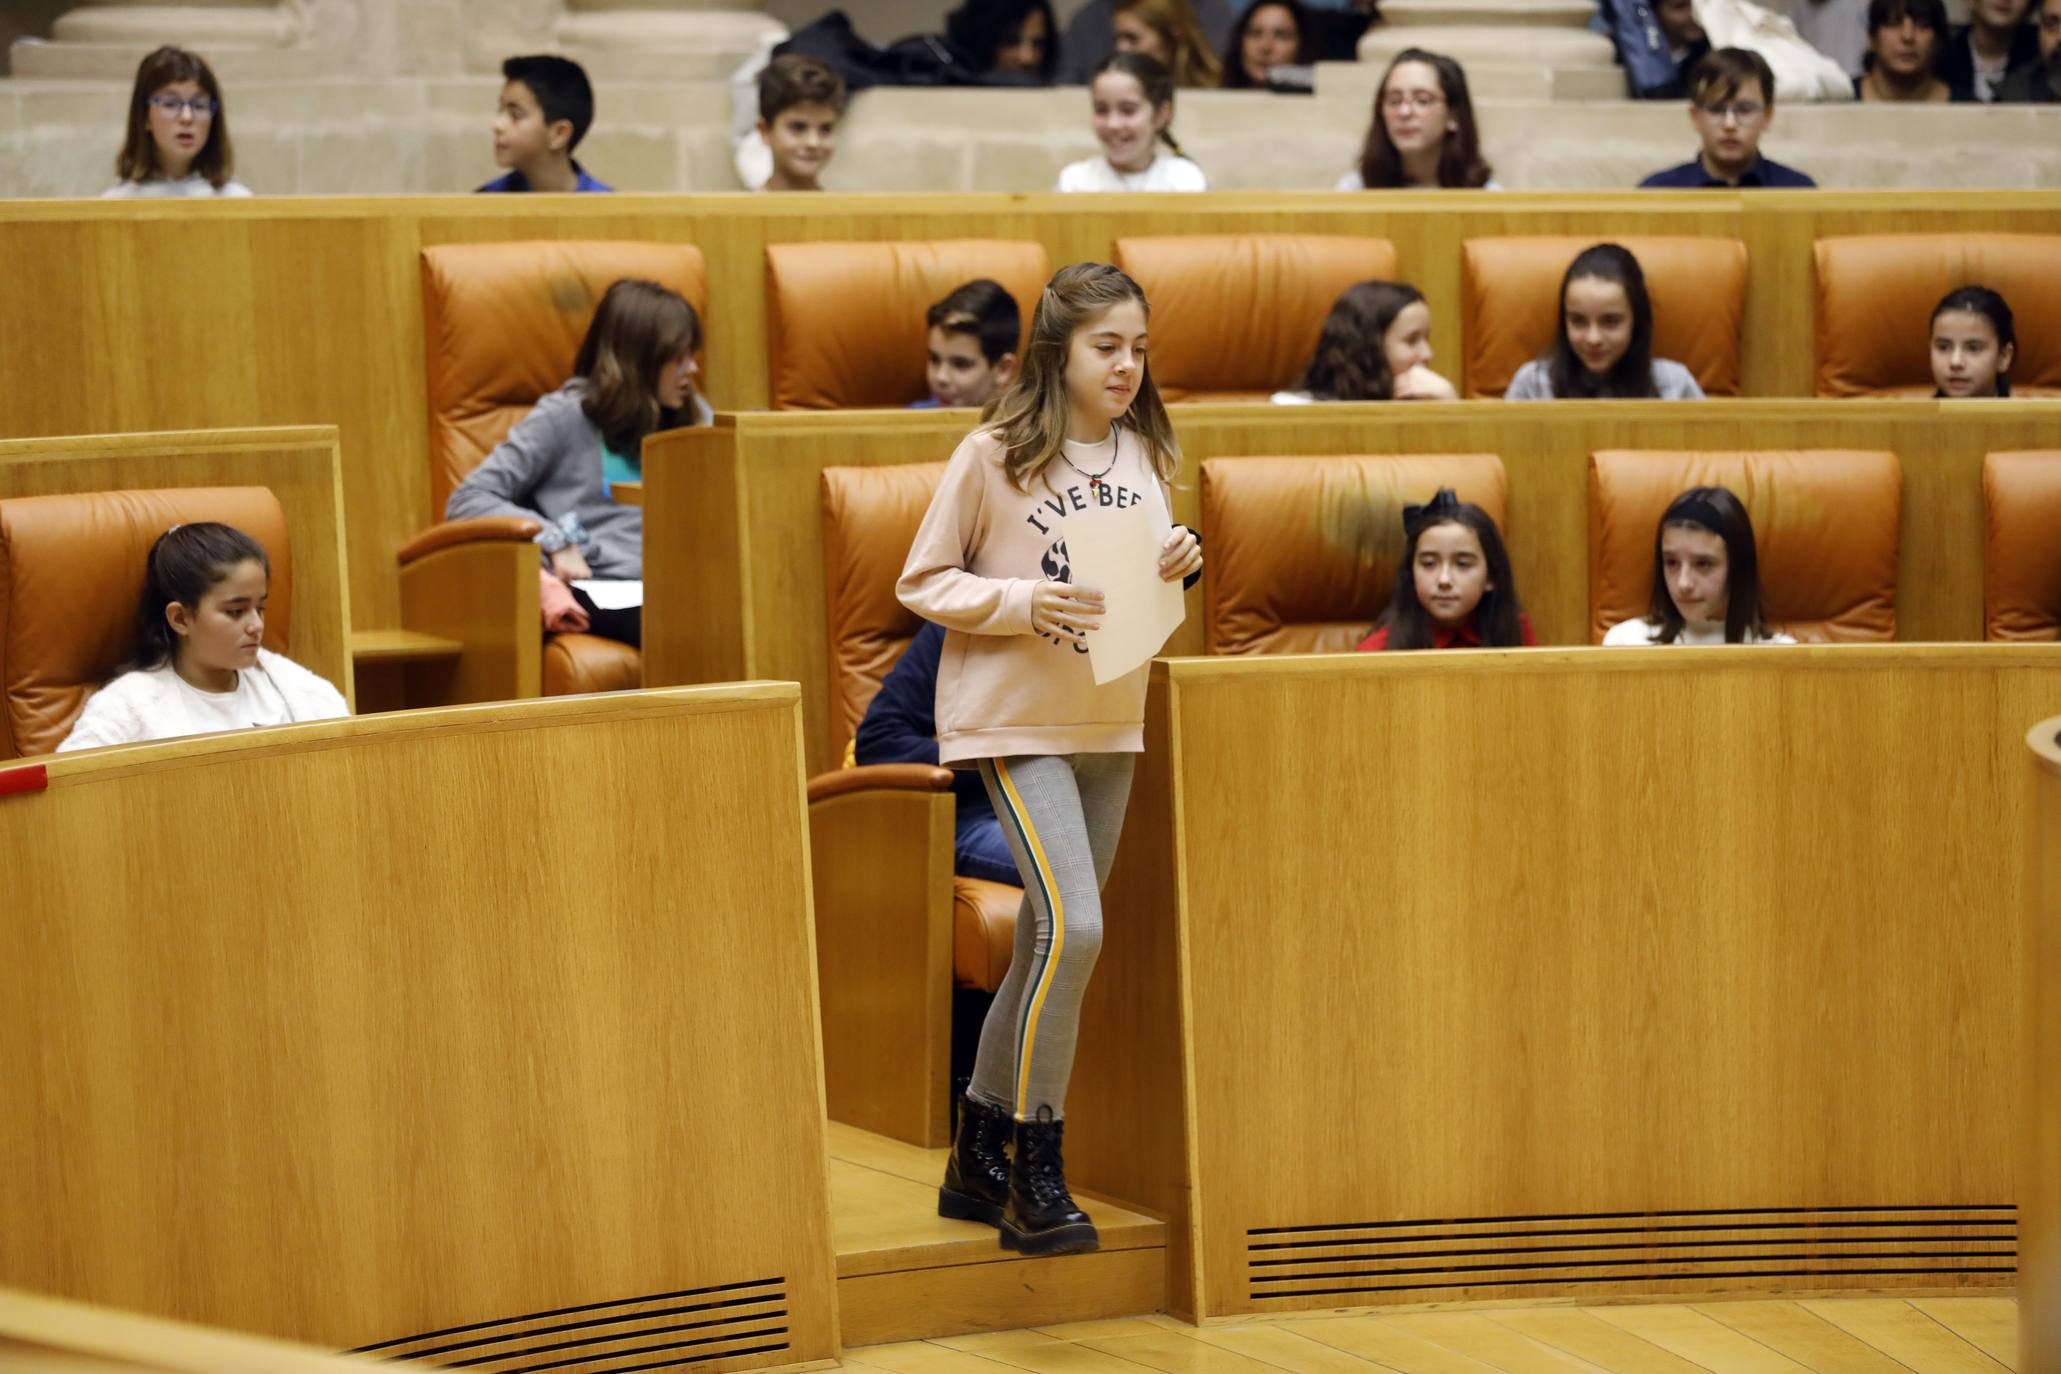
x=1077 y=1239
x=966 y=1207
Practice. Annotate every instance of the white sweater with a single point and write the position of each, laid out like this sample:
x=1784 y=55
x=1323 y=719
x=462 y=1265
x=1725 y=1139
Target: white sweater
x=1167 y=173
x=159 y=704
x=1694 y=633
x=159 y=188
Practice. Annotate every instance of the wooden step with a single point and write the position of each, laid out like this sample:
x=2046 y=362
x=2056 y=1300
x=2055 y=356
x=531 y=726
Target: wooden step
x=401 y=646
x=905 y=1273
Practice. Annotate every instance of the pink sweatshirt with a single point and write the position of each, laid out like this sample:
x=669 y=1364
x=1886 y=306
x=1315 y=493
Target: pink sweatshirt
x=1003 y=688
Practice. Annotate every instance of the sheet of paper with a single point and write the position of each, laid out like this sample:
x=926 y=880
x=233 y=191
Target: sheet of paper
x=613 y=596
x=1117 y=553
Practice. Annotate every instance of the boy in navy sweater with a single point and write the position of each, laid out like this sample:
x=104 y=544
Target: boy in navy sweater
x=901 y=727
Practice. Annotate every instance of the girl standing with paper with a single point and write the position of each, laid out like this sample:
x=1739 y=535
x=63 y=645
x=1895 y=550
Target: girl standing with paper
x=1082 y=428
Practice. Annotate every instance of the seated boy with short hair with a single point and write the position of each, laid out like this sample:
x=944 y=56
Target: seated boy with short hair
x=972 y=347
x=546 y=108
x=800 y=102
x=1731 y=103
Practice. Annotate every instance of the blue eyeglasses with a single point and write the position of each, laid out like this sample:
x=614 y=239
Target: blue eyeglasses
x=176 y=105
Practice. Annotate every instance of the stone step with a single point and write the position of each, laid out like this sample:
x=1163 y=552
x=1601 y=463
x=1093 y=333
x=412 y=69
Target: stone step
x=1564 y=14
x=1486 y=81
x=1488 y=47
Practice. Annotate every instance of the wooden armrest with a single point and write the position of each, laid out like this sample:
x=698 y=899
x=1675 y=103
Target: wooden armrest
x=483 y=529
x=880 y=777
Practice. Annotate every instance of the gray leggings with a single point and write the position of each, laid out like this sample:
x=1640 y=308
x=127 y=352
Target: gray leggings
x=1061 y=814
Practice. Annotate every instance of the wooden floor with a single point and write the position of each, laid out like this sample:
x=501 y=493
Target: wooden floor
x=1820 y=1335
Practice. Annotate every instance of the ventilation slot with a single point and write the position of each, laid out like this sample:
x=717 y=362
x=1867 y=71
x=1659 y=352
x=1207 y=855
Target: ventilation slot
x=1441 y=1260
x=732 y=1324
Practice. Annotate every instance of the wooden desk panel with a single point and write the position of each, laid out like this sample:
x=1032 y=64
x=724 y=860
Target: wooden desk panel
x=733 y=522
x=350 y=1032
x=300 y=467
x=1499 y=971
x=2039 y=1283
x=284 y=310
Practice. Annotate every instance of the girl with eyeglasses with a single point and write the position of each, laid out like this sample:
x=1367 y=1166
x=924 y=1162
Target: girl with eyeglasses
x=178 y=141
x=1423 y=132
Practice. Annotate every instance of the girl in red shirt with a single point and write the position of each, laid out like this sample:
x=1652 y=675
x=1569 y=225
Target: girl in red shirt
x=1454 y=588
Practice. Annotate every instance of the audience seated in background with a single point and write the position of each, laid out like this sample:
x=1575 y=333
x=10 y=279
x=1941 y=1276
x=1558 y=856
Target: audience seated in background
x=972 y=344
x=1706 y=577
x=1008 y=37
x=1980 y=56
x=1091 y=36
x=1454 y=588
x=1270 y=34
x=1604 y=347
x=1375 y=346
x=1168 y=32
x=800 y=102
x=1904 y=42
x=197 y=666
x=1973 y=345
x=178 y=138
x=634 y=376
x=547 y=106
x=2039 y=82
x=1133 y=99
x=901 y=727
x=1422 y=133
x=1731 y=105
x=1687 y=45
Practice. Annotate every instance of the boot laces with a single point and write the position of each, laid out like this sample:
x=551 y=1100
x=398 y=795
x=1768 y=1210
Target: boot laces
x=1038 y=1156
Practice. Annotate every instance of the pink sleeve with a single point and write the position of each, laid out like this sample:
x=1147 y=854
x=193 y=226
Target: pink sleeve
x=935 y=583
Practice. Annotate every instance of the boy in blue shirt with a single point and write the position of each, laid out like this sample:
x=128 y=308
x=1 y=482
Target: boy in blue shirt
x=971 y=352
x=545 y=109
x=1731 y=103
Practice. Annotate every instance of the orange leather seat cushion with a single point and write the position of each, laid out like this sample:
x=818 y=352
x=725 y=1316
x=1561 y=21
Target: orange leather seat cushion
x=1235 y=317
x=870 y=517
x=983 y=931
x=71 y=578
x=1303 y=551
x=576 y=664
x=503 y=323
x=1876 y=294
x=1825 y=526
x=1510 y=294
x=2021 y=546
x=845 y=321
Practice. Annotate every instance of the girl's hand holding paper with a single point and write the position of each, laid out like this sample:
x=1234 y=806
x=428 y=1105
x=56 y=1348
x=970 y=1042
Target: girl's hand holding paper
x=1180 y=555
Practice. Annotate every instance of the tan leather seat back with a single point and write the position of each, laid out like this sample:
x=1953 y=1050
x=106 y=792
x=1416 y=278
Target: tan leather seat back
x=2021 y=546
x=1825 y=525
x=1876 y=294
x=1510 y=293
x=71 y=581
x=502 y=323
x=845 y=321
x=1302 y=552
x=870 y=517
x=1235 y=317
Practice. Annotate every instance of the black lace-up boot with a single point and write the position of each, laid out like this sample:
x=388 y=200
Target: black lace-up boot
x=977 y=1175
x=1042 y=1218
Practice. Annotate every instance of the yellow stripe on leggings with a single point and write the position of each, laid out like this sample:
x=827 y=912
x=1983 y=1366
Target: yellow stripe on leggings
x=1057 y=911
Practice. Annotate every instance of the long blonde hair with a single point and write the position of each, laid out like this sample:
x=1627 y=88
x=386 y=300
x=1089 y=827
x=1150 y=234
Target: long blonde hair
x=1189 y=56
x=1031 y=417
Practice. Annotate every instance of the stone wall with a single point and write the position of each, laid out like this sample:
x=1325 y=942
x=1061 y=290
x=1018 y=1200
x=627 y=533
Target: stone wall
x=342 y=136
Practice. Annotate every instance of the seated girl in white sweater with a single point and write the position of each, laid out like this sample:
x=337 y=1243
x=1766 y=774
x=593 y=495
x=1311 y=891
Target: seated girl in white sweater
x=1706 y=577
x=1133 y=98
x=198 y=666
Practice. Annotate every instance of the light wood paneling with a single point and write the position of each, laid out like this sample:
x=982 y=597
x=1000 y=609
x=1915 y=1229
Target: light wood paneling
x=1542 y=938
x=40 y=1333
x=299 y=465
x=408 y=1024
x=733 y=524
x=296 y=311
x=2039 y=1177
